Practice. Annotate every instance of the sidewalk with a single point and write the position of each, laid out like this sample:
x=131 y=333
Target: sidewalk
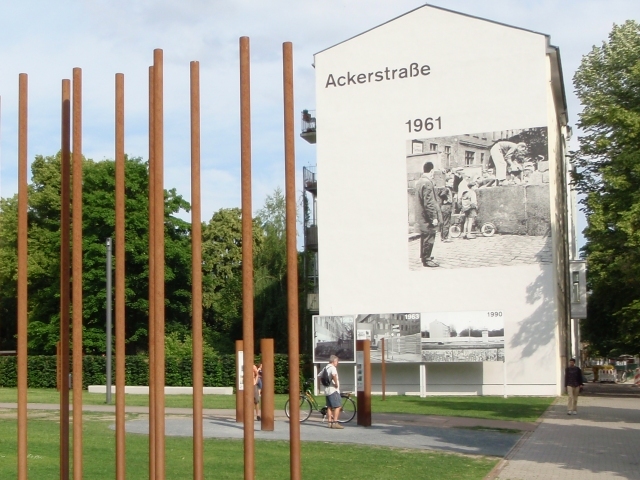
x=601 y=442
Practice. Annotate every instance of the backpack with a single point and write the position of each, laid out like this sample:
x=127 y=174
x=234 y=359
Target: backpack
x=324 y=377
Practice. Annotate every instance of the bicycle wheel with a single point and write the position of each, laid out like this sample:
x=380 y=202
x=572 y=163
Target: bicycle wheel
x=348 y=409
x=488 y=229
x=305 y=408
x=455 y=231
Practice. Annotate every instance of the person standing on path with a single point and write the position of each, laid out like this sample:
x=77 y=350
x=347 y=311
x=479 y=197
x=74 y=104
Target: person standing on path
x=332 y=392
x=428 y=214
x=573 y=382
x=445 y=198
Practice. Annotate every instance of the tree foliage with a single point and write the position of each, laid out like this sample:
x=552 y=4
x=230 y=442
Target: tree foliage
x=221 y=264
x=608 y=86
x=98 y=225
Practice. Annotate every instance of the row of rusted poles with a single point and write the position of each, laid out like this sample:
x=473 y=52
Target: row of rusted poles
x=196 y=269
x=158 y=256
x=77 y=273
x=247 y=256
x=22 y=276
x=152 y=277
x=120 y=307
x=292 y=262
x=65 y=275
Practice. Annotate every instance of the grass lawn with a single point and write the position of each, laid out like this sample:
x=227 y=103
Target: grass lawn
x=523 y=409
x=224 y=458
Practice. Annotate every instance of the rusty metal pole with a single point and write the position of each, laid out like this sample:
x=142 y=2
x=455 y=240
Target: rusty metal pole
x=239 y=383
x=247 y=254
x=158 y=130
x=77 y=273
x=23 y=200
x=120 y=279
x=152 y=327
x=267 y=400
x=65 y=275
x=292 y=262
x=364 y=396
x=384 y=372
x=196 y=272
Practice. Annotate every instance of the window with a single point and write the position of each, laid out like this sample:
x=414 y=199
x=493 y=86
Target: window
x=469 y=158
x=575 y=287
x=433 y=147
x=447 y=154
x=482 y=159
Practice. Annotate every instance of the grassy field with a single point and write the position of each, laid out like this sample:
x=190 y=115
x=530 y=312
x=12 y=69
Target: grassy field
x=523 y=409
x=224 y=458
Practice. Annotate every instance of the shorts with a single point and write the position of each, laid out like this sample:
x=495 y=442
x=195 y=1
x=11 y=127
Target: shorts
x=334 y=400
x=256 y=394
x=259 y=383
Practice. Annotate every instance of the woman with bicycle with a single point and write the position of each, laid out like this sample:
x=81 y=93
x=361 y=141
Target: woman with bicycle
x=332 y=392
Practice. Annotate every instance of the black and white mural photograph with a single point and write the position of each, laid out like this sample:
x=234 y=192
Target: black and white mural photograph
x=400 y=331
x=334 y=335
x=476 y=336
x=479 y=200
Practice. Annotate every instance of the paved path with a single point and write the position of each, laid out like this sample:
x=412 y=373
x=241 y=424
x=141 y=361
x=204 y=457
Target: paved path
x=499 y=250
x=454 y=434
x=601 y=442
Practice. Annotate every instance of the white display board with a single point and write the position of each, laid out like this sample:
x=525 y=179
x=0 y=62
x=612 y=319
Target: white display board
x=470 y=97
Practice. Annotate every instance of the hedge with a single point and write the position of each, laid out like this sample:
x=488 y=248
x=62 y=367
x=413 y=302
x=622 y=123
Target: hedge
x=219 y=371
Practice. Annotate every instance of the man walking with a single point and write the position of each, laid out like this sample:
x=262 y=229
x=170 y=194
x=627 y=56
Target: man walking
x=332 y=392
x=573 y=383
x=428 y=214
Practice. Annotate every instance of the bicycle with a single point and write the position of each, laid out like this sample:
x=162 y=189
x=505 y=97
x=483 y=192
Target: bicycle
x=308 y=404
x=487 y=229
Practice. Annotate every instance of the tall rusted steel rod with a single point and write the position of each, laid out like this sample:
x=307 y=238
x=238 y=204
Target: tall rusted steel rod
x=65 y=275
x=247 y=255
x=120 y=266
x=152 y=279
x=22 y=274
x=196 y=269
x=158 y=125
x=292 y=261
x=77 y=273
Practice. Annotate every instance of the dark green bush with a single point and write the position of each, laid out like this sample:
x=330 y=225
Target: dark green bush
x=219 y=371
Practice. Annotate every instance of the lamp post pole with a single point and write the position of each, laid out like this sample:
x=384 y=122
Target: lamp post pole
x=109 y=301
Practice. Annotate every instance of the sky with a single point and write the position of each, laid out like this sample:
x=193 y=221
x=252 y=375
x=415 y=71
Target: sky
x=47 y=39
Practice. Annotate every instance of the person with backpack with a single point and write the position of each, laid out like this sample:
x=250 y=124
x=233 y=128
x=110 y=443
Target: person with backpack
x=331 y=384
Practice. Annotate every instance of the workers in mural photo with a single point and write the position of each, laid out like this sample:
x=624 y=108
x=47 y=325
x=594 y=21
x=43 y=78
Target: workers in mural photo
x=428 y=214
x=508 y=158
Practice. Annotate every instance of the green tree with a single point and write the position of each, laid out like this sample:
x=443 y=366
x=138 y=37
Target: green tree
x=98 y=225
x=608 y=86
x=271 y=272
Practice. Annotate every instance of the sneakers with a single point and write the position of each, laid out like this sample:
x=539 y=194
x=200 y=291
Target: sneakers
x=572 y=412
x=337 y=425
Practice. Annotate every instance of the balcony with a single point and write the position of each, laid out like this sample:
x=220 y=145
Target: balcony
x=309 y=179
x=311 y=238
x=309 y=126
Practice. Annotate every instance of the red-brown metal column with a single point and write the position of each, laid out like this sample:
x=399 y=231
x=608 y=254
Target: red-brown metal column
x=292 y=261
x=22 y=275
x=120 y=324
x=158 y=161
x=247 y=255
x=267 y=399
x=77 y=273
x=196 y=271
x=152 y=282
x=65 y=275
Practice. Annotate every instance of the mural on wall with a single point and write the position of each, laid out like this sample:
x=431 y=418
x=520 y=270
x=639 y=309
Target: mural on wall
x=334 y=335
x=479 y=200
x=475 y=336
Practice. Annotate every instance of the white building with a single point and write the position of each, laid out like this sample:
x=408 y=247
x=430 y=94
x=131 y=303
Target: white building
x=443 y=87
